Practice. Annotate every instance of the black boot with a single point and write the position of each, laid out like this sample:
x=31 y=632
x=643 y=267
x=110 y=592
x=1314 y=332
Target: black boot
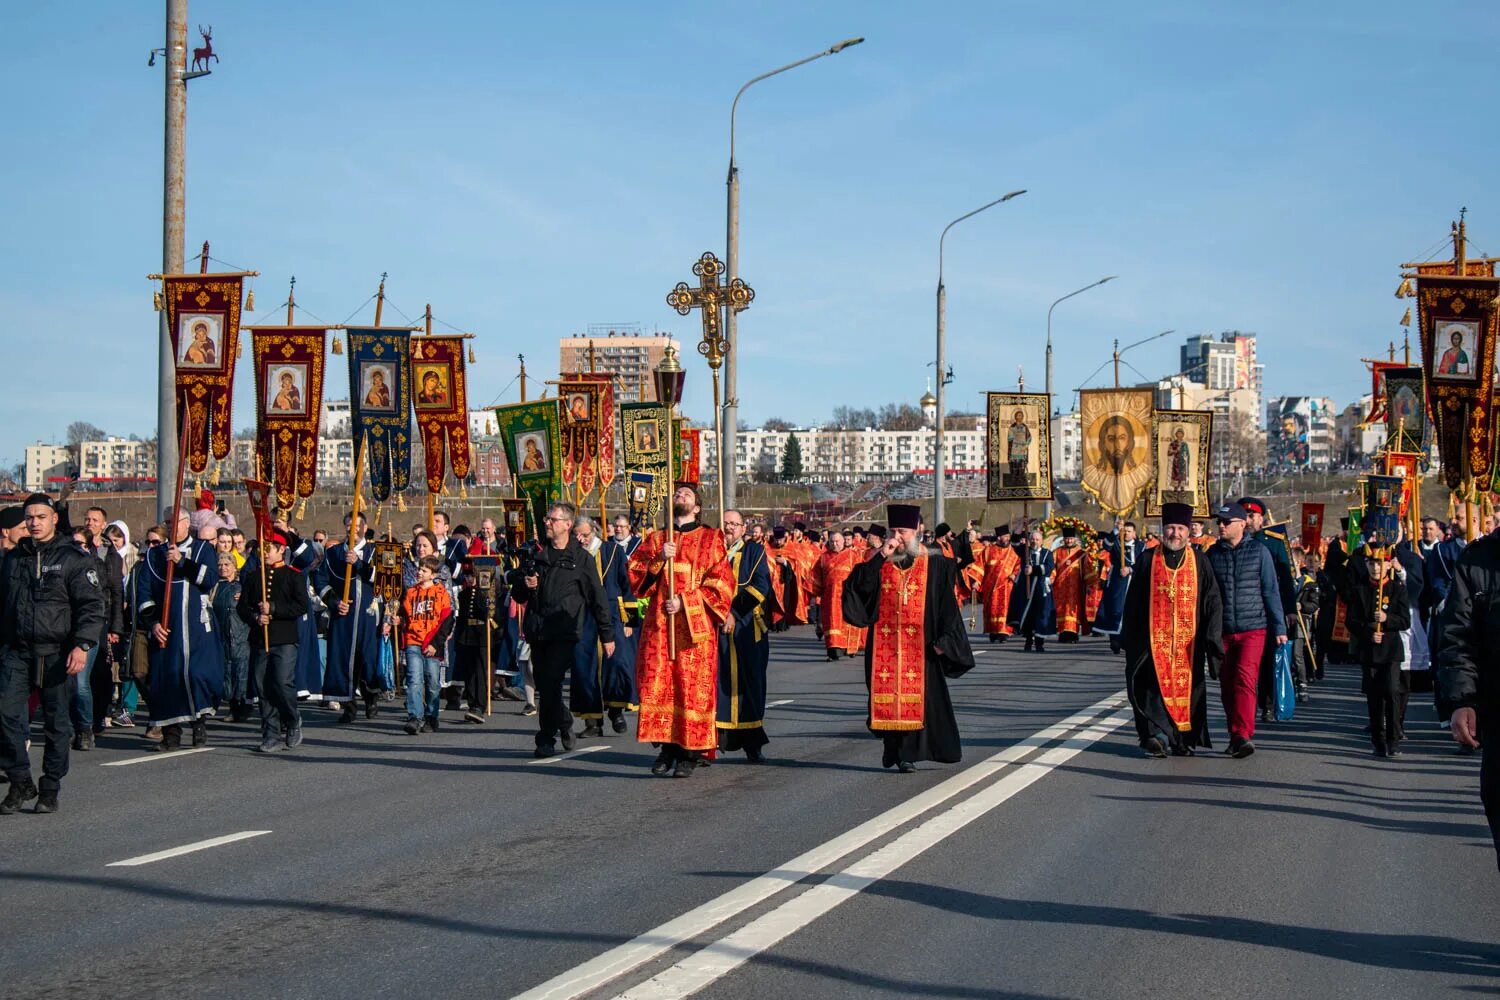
x=20 y=792
x=617 y=719
x=200 y=732
x=372 y=705
x=346 y=712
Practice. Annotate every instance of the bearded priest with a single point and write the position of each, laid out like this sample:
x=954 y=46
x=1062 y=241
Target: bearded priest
x=679 y=693
x=904 y=594
x=1174 y=614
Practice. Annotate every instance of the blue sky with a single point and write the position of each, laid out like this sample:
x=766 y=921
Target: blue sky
x=534 y=168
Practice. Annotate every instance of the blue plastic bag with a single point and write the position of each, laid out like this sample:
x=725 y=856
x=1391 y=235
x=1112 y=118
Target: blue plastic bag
x=387 y=666
x=1286 y=691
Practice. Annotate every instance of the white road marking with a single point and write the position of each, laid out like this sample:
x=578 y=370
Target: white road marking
x=718 y=959
x=570 y=753
x=202 y=845
x=777 y=704
x=603 y=969
x=160 y=755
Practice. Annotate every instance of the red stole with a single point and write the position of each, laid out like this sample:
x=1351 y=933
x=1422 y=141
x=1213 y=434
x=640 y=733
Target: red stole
x=898 y=661
x=1173 y=624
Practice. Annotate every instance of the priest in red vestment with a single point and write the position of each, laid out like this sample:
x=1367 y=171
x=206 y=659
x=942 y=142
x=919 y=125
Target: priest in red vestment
x=833 y=569
x=1070 y=583
x=905 y=595
x=679 y=692
x=1001 y=565
x=1174 y=614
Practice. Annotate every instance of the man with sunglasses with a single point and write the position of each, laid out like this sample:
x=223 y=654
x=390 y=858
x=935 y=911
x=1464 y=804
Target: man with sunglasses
x=1252 y=615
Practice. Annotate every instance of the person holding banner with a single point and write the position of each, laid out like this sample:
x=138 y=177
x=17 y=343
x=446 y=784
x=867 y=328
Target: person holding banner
x=187 y=660
x=354 y=638
x=274 y=613
x=1172 y=624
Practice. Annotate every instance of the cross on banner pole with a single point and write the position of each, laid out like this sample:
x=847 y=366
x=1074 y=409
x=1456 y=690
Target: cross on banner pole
x=709 y=297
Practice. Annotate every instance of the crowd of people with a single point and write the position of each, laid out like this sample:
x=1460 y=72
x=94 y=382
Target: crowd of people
x=206 y=625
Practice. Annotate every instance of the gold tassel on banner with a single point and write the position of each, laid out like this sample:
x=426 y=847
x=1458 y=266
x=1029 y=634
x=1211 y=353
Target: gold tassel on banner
x=401 y=502
x=1406 y=320
x=302 y=509
x=463 y=491
x=471 y=354
x=250 y=301
x=213 y=478
x=338 y=345
x=238 y=348
x=156 y=301
x=1405 y=291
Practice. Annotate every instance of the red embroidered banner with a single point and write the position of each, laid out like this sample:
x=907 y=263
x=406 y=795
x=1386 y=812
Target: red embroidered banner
x=441 y=400
x=1174 y=624
x=1456 y=317
x=689 y=455
x=203 y=316
x=1312 y=527
x=606 y=412
x=898 y=659
x=1377 y=395
x=580 y=433
x=289 y=405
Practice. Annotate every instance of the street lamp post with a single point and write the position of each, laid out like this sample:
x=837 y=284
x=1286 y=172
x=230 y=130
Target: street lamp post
x=730 y=433
x=1047 y=507
x=938 y=471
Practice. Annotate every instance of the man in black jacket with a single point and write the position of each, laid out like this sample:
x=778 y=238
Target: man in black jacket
x=275 y=618
x=563 y=586
x=1468 y=662
x=96 y=686
x=1379 y=611
x=51 y=617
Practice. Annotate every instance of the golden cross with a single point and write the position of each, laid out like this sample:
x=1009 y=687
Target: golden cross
x=710 y=296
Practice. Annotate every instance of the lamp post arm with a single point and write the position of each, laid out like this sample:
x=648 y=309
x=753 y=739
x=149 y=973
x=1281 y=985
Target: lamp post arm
x=734 y=106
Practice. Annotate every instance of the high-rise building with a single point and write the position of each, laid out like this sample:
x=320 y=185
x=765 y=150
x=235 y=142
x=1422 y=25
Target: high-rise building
x=622 y=349
x=1226 y=363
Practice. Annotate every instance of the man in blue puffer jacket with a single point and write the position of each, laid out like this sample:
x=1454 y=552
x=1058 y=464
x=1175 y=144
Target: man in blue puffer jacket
x=1252 y=613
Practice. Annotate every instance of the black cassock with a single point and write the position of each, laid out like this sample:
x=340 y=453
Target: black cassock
x=1151 y=717
x=948 y=652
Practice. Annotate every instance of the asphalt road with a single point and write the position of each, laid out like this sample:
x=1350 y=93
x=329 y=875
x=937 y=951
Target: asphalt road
x=1055 y=861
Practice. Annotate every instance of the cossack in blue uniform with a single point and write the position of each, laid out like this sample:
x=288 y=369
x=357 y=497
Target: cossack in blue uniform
x=353 y=639
x=603 y=683
x=745 y=654
x=187 y=674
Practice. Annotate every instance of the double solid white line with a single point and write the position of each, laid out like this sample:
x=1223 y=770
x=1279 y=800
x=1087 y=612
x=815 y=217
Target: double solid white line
x=717 y=959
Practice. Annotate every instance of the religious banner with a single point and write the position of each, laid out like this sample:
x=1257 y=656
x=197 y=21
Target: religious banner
x=380 y=404
x=1404 y=409
x=1181 y=441
x=1405 y=466
x=441 y=400
x=1312 y=527
x=203 y=317
x=518 y=527
x=1116 y=446
x=1456 y=318
x=259 y=496
x=1018 y=446
x=1378 y=370
x=607 y=463
x=532 y=439
x=643 y=432
x=640 y=493
x=289 y=405
x=1381 y=516
x=689 y=468
x=1355 y=536
x=584 y=399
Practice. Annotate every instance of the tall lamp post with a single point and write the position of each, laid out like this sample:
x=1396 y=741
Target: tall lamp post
x=938 y=471
x=727 y=441
x=1047 y=507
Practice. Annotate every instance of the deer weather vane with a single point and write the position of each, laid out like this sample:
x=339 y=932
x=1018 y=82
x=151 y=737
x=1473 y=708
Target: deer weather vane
x=202 y=56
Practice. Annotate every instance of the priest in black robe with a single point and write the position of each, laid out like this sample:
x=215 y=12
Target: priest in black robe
x=1176 y=610
x=904 y=594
